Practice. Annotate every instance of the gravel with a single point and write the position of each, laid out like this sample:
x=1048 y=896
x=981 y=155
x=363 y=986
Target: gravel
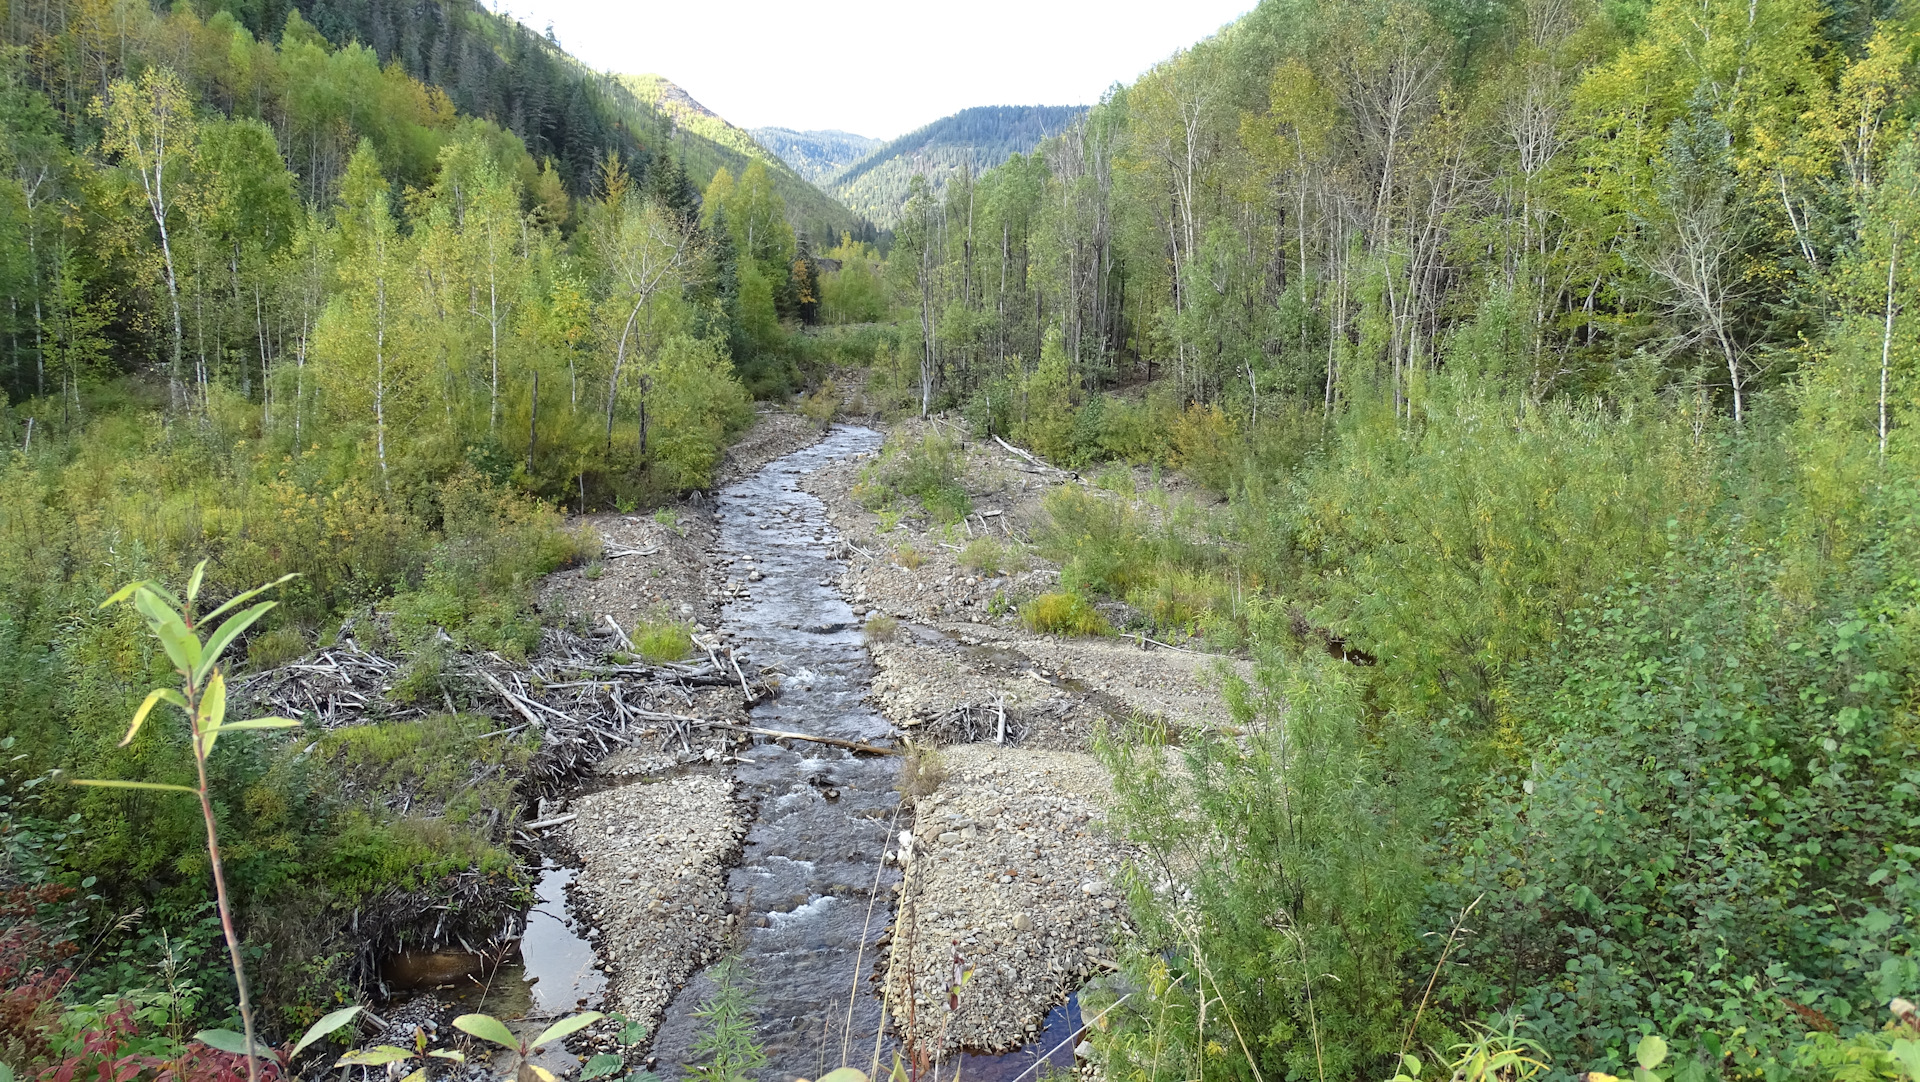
x=1010 y=872
x=654 y=882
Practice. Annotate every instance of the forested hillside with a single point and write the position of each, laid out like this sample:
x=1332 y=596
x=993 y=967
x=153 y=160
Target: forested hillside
x=707 y=143
x=816 y=155
x=971 y=140
x=275 y=304
x=1556 y=365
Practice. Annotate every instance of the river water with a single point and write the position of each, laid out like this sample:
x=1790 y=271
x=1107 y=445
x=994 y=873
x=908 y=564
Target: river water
x=810 y=888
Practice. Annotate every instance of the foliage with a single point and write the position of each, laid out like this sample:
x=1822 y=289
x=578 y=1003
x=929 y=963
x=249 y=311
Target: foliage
x=662 y=640
x=926 y=469
x=1284 y=841
x=727 y=1039
x=1063 y=614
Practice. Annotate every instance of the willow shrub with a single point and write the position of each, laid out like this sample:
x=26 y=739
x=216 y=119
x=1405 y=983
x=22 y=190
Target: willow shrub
x=1451 y=546
x=1277 y=889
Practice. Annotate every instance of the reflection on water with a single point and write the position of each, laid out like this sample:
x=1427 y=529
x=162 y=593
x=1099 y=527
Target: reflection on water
x=558 y=958
x=552 y=972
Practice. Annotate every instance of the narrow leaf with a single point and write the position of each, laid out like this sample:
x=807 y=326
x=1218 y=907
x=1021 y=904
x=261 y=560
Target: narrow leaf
x=193 y=584
x=448 y=1053
x=844 y=1074
x=255 y=592
x=487 y=1028
x=213 y=711
x=108 y=784
x=260 y=723
x=567 y=1025
x=157 y=695
x=419 y=1075
x=182 y=647
x=225 y=1040
x=221 y=639
x=378 y=1056
x=123 y=593
x=325 y=1026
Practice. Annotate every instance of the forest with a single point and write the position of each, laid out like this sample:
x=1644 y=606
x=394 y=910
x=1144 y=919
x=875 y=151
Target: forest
x=1542 y=370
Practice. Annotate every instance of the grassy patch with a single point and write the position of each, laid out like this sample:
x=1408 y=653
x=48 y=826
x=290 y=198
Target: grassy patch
x=663 y=640
x=881 y=627
x=983 y=555
x=909 y=557
x=1063 y=614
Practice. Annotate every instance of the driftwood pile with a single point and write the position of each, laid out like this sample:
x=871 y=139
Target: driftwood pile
x=573 y=692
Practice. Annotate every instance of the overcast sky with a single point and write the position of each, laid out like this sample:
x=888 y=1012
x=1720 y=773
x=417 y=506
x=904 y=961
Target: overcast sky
x=876 y=67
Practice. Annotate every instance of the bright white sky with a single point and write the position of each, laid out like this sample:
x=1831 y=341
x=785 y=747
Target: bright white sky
x=879 y=68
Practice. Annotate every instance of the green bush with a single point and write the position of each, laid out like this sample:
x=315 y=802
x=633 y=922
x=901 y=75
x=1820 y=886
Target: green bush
x=1063 y=614
x=1713 y=769
x=1298 y=888
x=983 y=555
x=927 y=469
x=663 y=640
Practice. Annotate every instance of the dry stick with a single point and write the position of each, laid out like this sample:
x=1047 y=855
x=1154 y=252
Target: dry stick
x=1453 y=937
x=617 y=633
x=532 y=719
x=744 y=691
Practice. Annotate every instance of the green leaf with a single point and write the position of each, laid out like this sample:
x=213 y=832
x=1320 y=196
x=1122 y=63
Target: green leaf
x=218 y=642
x=487 y=1028
x=193 y=583
x=260 y=723
x=1410 y=1061
x=1907 y=1054
x=213 y=711
x=108 y=784
x=567 y=1025
x=123 y=593
x=157 y=695
x=844 y=1074
x=378 y=1056
x=6 y=1073
x=225 y=1040
x=604 y=1064
x=419 y=1074
x=1652 y=1051
x=448 y=1053
x=255 y=592
x=324 y=1026
x=183 y=649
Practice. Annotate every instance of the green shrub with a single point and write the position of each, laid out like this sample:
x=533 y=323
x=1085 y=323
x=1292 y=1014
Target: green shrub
x=663 y=640
x=927 y=469
x=1063 y=614
x=881 y=627
x=983 y=555
x=1291 y=839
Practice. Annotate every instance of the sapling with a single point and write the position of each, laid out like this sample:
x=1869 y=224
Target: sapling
x=202 y=698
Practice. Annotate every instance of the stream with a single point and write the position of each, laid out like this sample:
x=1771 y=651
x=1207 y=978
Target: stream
x=805 y=885
x=811 y=891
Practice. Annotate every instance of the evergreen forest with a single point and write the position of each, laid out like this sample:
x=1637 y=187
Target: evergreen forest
x=1539 y=382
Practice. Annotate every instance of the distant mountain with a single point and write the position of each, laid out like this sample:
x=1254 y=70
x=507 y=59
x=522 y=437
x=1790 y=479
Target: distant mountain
x=706 y=141
x=876 y=185
x=816 y=155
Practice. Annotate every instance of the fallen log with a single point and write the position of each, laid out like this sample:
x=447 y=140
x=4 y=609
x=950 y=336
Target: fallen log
x=782 y=734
